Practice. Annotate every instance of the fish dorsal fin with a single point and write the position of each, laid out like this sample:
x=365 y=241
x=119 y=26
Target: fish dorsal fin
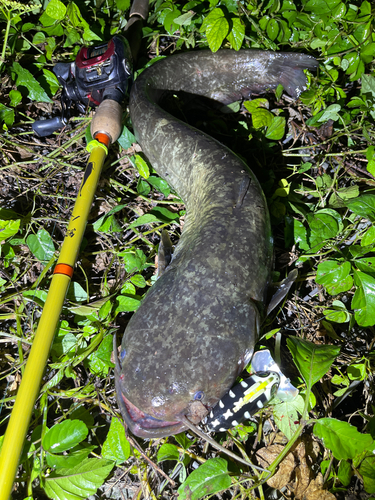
x=282 y=290
x=165 y=252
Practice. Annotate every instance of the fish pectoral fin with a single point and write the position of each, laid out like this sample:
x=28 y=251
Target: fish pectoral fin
x=282 y=290
x=165 y=252
x=242 y=190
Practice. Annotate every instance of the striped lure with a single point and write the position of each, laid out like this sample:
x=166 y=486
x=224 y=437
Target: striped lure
x=243 y=401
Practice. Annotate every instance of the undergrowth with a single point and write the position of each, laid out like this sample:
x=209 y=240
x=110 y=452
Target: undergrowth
x=315 y=159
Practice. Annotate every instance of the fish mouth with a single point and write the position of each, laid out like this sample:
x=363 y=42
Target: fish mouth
x=143 y=425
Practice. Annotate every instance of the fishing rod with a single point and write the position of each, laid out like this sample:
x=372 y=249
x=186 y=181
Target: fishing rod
x=99 y=77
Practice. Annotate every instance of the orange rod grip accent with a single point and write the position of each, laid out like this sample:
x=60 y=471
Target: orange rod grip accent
x=103 y=138
x=64 y=269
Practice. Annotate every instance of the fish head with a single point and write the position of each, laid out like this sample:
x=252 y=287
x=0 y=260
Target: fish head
x=155 y=399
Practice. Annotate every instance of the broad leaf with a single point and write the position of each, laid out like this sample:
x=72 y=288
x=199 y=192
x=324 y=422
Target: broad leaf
x=237 y=33
x=8 y=228
x=313 y=361
x=68 y=461
x=126 y=138
x=216 y=27
x=144 y=219
x=276 y=129
x=41 y=245
x=208 y=479
x=334 y=276
x=364 y=299
x=26 y=79
x=116 y=446
x=364 y=206
x=341 y=438
x=286 y=415
x=56 y=10
x=367 y=471
x=78 y=483
x=142 y=166
x=126 y=304
x=168 y=452
x=64 y=436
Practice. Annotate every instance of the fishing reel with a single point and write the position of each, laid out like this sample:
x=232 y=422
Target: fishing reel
x=100 y=72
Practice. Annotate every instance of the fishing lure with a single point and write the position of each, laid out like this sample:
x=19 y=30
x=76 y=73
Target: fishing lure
x=243 y=401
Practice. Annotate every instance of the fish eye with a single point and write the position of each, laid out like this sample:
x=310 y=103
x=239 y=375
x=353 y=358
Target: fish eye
x=198 y=396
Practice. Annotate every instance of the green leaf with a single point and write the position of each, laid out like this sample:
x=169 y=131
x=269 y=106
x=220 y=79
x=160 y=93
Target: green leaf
x=261 y=118
x=15 y=98
x=78 y=483
x=323 y=227
x=68 y=461
x=334 y=276
x=100 y=360
x=330 y=113
x=123 y=4
x=38 y=296
x=367 y=265
x=64 y=343
x=344 y=472
x=364 y=299
x=364 y=206
x=168 y=452
x=276 y=129
x=368 y=85
x=128 y=289
x=184 y=441
x=164 y=214
x=8 y=228
x=357 y=371
x=142 y=167
x=313 y=361
x=321 y=7
x=144 y=219
x=126 y=139
x=208 y=479
x=341 y=438
x=39 y=37
x=26 y=79
x=134 y=260
x=41 y=245
x=126 y=304
x=272 y=29
x=76 y=293
x=184 y=19
x=237 y=34
x=160 y=184
x=367 y=471
x=116 y=446
x=56 y=10
x=7 y=114
x=286 y=415
x=138 y=280
x=253 y=105
x=169 y=23
x=143 y=187
x=216 y=27
x=52 y=81
x=338 y=313
x=64 y=436
x=300 y=235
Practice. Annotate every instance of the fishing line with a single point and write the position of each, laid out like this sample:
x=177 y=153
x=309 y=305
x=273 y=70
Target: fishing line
x=216 y=445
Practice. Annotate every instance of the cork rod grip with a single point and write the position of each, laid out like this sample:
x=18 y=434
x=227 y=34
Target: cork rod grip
x=107 y=120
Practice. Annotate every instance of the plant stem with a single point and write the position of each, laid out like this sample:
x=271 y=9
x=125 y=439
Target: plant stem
x=6 y=36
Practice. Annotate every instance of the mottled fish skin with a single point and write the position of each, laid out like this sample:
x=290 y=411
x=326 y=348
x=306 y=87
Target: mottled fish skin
x=197 y=326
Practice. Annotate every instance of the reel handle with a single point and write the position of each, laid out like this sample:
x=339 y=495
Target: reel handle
x=44 y=128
